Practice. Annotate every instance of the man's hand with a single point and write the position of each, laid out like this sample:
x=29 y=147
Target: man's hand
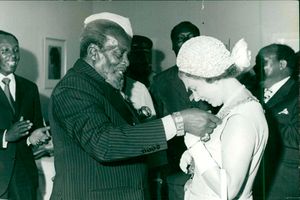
x=40 y=136
x=199 y=122
x=18 y=130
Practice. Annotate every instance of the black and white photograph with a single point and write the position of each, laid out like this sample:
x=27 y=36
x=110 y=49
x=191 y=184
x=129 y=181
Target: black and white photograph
x=149 y=100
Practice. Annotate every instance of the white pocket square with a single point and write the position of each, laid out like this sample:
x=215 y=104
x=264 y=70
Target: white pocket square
x=284 y=111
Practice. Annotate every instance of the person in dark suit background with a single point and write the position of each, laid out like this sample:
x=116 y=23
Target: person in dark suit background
x=279 y=91
x=21 y=125
x=140 y=59
x=98 y=141
x=136 y=81
x=170 y=95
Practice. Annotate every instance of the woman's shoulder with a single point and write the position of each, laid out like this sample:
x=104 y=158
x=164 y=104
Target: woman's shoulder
x=250 y=115
x=250 y=108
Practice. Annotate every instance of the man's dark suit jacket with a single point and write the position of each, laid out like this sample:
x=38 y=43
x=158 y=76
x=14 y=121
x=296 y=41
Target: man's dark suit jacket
x=98 y=142
x=282 y=156
x=170 y=95
x=18 y=157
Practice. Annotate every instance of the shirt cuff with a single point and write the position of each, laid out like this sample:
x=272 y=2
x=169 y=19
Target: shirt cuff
x=169 y=126
x=4 y=142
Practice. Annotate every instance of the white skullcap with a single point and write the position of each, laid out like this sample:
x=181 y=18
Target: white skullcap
x=207 y=57
x=120 y=20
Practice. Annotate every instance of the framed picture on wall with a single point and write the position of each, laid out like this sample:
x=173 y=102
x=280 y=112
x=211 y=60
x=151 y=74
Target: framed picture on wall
x=55 y=61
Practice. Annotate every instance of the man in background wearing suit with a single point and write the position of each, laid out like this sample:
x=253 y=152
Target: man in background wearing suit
x=275 y=67
x=170 y=95
x=21 y=125
x=98 y=141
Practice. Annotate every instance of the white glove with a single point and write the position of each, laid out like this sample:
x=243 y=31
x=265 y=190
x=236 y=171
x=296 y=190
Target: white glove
x=188 y=185
x=185 y=161
x=190 y=140
x=202 y=158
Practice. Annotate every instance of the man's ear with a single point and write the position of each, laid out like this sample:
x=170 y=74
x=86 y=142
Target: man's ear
x=282 y=64
x=92 y=51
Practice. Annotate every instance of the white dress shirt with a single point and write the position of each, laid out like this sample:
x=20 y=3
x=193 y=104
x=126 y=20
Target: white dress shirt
x=12 y=84
x=275 y=87
x=140 y=96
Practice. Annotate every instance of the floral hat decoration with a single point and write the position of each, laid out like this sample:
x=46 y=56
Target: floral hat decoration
x=207 y=57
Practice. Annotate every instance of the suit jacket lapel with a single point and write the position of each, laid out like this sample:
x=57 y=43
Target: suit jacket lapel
x=20 y=92
x=123 y=107
x=181 y=90
x=4 y=100
x=281 y=94
x=111 y=94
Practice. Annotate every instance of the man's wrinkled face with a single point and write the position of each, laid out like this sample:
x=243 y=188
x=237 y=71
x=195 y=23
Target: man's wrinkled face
x=9 y=54
x=115 y=62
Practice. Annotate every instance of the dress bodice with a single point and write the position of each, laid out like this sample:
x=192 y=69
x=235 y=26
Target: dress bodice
x=252 y=111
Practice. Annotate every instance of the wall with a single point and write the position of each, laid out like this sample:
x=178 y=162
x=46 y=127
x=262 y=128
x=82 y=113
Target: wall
x=259 y=22
x=31 y=22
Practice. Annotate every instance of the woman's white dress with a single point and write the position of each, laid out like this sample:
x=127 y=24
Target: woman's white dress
x=197 y=189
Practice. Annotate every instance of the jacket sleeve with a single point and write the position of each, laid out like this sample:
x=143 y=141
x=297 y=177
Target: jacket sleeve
x=37 y=112
x=99 y=129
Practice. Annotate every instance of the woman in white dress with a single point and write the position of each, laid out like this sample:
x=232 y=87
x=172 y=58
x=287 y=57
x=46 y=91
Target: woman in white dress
x=225 y=162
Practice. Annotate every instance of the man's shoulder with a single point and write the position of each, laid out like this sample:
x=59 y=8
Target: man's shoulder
x=294 y=82
x=24 y=81
x=290 y=88
x=79 y=81
x=167 y=74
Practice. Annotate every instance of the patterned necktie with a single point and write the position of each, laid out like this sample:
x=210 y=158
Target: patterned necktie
x=267 y=94
x=6 y=82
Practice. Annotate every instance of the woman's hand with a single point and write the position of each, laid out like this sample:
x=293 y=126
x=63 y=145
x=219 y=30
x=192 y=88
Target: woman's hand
x=40 y=136
x=186 y=163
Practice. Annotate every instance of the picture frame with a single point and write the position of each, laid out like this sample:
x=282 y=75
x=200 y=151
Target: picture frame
x=55 y=61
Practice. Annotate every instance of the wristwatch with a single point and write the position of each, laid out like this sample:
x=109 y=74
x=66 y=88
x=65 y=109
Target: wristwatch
x=178 y=123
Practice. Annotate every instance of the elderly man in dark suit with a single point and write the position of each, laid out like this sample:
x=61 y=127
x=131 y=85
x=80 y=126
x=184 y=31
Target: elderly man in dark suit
x=21 y=125
x=98 y=141
x=276 y=67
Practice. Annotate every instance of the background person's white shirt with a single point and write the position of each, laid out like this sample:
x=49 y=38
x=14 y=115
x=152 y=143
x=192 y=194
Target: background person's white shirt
x=275 y=87
x=140 y=96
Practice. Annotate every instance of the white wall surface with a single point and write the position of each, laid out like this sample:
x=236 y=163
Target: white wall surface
x=31 y=22
x=259 y=22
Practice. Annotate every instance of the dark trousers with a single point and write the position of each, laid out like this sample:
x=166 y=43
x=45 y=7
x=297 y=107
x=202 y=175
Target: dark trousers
x=175 y=184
